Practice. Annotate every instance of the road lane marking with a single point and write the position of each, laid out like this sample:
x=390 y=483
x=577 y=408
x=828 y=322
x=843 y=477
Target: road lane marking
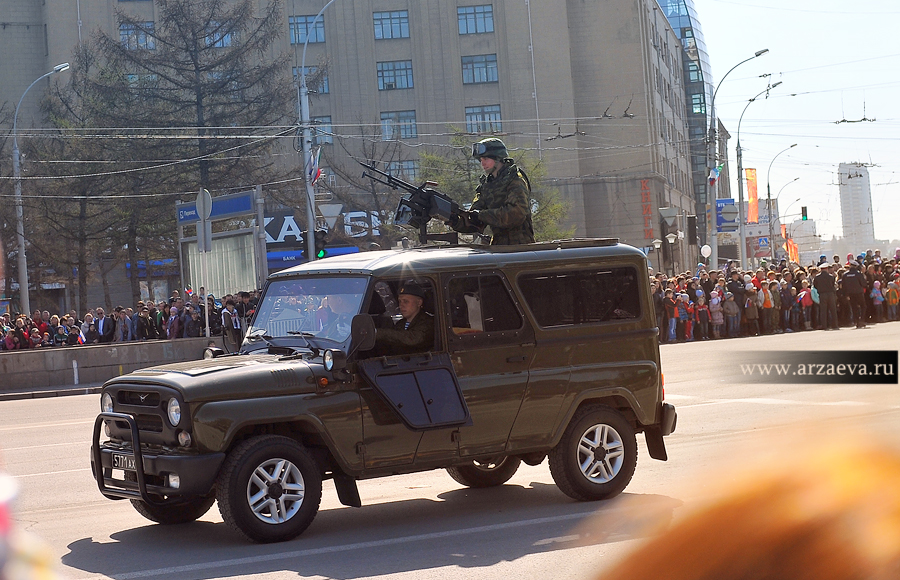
x=79 y=443
x=46 y=425
x=52 y=472
x=779 y=402
x=181 y=570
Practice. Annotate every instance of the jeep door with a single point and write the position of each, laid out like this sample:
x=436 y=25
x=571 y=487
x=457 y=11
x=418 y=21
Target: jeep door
x=411 y=402
x=491 y=346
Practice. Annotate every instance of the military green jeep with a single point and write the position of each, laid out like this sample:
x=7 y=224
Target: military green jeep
x=542 y=350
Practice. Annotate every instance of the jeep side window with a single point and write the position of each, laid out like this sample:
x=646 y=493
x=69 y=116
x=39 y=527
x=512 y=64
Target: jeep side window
x=582 y=296
x=481 y=304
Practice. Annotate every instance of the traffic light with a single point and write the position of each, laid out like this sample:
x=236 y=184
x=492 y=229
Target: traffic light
x=803 y=213
x=320 y=240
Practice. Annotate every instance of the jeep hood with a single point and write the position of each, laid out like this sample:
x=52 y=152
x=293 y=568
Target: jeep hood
x=230 y=377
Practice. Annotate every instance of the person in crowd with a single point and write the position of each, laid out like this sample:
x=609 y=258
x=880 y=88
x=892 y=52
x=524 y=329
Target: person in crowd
x=88 y=321
x=163 y=312
x=854 y=283
x=106 y=326
x=92 y=336
x=192 y=326
x=60 y=337
x=671 y=307
x=12 y=341
x=825 y=284
x=146 y=328
x=231 y=325
x=716 y=314
x=173 y=325
x=877 y=298
x=751 y=310
x=680 y=328
x=732 y=316
x=892 y=300
x=701 y=316
x=806 y=302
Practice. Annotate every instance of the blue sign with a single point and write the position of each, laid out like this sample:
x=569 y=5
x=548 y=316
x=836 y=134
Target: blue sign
x=723 y=224
x=281 y=260
x=223 y=207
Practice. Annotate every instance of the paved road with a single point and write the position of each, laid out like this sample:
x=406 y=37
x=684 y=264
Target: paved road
x=424 y=526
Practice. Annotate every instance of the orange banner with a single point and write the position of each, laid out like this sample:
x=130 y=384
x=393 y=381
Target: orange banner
x=752 y=197
x=792 y=250
x=784 y=231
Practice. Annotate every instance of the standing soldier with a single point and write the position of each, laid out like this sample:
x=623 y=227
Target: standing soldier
x=502 y=199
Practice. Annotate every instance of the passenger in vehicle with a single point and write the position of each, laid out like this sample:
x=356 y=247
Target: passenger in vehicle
x=414 y=332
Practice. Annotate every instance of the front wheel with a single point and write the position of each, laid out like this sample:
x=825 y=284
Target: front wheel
x=269 y=489
x=596 y=457
x=488 y=473
x=174 y=513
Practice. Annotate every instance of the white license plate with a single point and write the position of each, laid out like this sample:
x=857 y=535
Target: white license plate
x=120 y=461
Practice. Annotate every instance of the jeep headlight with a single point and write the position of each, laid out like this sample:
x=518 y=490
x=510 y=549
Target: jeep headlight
x=173 y=410
x=106 y=403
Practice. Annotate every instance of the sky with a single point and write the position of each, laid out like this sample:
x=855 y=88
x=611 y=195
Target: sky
x=836 y=60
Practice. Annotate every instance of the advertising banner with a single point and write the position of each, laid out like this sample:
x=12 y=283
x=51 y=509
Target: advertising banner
x=752 y=197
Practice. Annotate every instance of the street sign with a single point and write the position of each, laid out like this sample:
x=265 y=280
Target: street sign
x=729 y=213
x=330 y=211
x=223 y=207
x=669 y=214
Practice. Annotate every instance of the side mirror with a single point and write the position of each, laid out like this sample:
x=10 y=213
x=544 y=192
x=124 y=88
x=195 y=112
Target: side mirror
x=362 y=333
x=211 y=352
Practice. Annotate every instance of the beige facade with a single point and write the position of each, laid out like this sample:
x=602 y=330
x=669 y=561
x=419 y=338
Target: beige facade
x=595 y=89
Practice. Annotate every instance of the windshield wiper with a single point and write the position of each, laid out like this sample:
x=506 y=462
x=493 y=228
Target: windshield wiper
x=260 y=334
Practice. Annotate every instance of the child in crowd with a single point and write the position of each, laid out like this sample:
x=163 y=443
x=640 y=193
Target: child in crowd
x=701 y=315
x=59 y=338
x=796 y=310
x=775 y=312
x=732 y=316
x=806 y=302
x=892 y=300
x=877 y=297
x=716 y=314
x=682 y=316
x=689 y=323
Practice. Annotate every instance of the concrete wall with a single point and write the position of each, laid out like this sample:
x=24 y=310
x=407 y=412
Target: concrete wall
x=32 y=370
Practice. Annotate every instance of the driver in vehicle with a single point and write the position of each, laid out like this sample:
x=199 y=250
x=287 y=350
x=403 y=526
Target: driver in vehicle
x=414 y=332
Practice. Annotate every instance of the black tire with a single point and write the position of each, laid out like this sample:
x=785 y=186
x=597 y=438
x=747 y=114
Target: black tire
x=174 y=513
x=609 y=443
x=490 y=473
x=278 y=462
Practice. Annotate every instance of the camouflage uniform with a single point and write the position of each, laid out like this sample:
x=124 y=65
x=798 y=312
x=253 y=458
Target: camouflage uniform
x=504 y=203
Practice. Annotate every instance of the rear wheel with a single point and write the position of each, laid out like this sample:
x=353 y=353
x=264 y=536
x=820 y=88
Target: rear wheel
x=597 y=455
x=174 y=513
x=485 y=473
x=269 y=489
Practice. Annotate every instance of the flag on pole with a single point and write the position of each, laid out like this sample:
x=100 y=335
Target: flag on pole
x=312 y=166
x=714 y=174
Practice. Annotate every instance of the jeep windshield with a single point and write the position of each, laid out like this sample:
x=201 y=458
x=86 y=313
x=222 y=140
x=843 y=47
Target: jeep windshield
x=307 y=310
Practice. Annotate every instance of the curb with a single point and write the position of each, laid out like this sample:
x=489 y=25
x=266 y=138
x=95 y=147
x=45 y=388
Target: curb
x=90 y=389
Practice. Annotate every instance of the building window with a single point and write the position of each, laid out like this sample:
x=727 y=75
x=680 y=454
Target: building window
x=391 y=24
x=694 y=75
x=315 y=84
x=396 y=74
x=137 y=36
x=398 y=125
x=302 y=25
x=408 y=170
x=322 y=133
x=484 y=119
x=475 y=19
x=698 y=104
x=480 y=68
x=217 y=36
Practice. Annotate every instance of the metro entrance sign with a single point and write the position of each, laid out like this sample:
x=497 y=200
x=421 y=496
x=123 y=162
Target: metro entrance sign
x=223 y=207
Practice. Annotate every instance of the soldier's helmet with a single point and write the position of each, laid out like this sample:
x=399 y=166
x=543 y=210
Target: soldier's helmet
x=490 y=147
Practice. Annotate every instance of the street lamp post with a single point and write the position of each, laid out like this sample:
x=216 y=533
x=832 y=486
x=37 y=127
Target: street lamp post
x=24 y=302
x=657 y=244
x=742 y=232
x=713 y=227
x=307 y=141
x=769 y=197
x=670 y=237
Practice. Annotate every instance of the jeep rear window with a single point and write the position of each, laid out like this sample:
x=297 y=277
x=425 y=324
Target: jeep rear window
x=582 y=296
x=320 y=305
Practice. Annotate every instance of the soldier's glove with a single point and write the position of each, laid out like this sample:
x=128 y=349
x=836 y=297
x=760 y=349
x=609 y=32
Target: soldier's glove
x=472 y=216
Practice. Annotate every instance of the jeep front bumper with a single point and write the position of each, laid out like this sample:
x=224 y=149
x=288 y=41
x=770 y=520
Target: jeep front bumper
x=152 y=473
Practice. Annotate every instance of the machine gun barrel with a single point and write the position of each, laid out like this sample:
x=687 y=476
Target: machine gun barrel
x=422 y=203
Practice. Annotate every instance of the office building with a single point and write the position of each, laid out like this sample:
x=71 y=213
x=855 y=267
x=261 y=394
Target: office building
x=856 y=206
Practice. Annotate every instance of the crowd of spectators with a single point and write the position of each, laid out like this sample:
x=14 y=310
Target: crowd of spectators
x=775 y=299
x=177 y=317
